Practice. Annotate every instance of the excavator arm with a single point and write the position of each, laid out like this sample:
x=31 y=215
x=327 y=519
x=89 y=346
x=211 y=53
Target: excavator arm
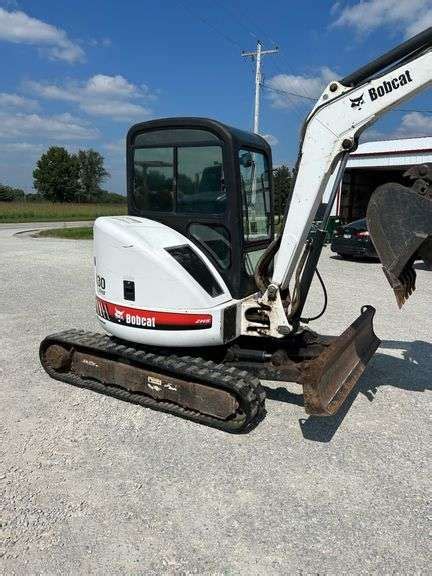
x=330 y=133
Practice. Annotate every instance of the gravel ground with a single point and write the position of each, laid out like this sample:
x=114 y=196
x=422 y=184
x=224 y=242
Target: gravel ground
x=91 y=485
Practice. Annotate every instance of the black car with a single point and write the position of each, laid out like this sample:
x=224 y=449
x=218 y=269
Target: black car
x=353 y=241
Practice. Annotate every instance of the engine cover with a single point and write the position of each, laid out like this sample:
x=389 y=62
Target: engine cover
x=154 y=286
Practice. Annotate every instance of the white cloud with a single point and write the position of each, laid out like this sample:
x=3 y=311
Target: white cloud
x=10 y=3
x=272 y=140
x=412 y=125
x=419 y=24
x=415 y=124
x=335 y=8
x=61 y=127
x=410 y=16
x=118 y=86
x=284 y=87
x=8 y=100
x=100 y=95
x=116 y=109
x=116 y=147
x=104 y=42
x=115 y=155
x=53 y=92
x=18 y=147
x=19 y=28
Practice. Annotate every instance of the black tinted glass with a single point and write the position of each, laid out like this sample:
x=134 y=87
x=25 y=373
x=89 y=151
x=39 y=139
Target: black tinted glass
x=216 y=239
x=255 y=195
x=200 y=185
x=193 y=264
x=154 y=179
x=175 y=137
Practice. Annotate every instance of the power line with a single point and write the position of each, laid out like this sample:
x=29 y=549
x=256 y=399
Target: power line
x=207 y=22
x=234 y=42
x=242 y=18
x=292 y=96
x=256 y=28
x=237 y=17
x=412 y=110
x=281 y=50
x=288 y=93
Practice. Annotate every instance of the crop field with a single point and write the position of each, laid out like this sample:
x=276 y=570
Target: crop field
x=50 y=211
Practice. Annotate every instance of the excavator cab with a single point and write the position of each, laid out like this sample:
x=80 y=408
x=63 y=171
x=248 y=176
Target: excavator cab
x=210 y=182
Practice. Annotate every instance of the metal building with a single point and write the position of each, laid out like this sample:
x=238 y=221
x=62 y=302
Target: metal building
x=375 y=163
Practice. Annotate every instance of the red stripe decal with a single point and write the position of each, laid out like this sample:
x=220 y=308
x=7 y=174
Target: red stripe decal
x=138 y=318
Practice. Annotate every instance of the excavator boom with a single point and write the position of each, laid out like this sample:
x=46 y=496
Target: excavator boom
x=330 y=133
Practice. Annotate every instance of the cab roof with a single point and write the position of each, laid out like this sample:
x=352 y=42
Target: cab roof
x=227 y=133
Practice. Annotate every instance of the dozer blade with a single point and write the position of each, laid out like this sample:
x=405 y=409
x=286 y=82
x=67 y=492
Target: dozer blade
x=399 y=220
x=329 y=378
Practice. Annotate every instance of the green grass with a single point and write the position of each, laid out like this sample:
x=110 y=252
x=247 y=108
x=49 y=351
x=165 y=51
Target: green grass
x=51 y=211
x=81 y=233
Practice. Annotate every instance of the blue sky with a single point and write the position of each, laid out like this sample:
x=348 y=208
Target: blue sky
x=78 y=73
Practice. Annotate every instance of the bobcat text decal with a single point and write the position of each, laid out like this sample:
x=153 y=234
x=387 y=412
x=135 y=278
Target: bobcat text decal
x=388 y=86
x=385 y=88
x=151 y=319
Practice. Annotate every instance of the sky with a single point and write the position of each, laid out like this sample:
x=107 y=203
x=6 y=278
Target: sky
x=78 y=74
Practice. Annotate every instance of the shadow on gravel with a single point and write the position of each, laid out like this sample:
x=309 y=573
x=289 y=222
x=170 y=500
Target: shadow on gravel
x=283 y=395
x=412 y=372
x=362 y=259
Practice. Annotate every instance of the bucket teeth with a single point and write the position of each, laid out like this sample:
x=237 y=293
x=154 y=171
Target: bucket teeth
x=406 y=285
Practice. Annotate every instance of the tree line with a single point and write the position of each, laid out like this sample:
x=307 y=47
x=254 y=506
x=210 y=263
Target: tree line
x=60 y=176
x=8 y=193
x=283 y=181
x=63 y=177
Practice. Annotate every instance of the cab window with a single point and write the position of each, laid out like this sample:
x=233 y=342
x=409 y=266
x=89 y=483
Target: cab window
x=154 y=179
x=217 y=241
x=200 y=185
x=255 y=188
x=184 y=176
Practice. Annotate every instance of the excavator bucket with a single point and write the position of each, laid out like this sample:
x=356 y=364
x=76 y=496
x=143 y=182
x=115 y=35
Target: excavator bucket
x=400 y=224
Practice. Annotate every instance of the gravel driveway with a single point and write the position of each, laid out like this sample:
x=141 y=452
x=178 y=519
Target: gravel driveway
x=91 y=485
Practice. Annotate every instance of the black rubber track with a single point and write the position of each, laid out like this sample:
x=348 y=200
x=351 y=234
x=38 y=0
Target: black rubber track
x=244 y=386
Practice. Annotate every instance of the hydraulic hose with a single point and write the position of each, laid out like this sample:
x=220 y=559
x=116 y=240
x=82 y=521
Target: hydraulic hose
x=313 y=318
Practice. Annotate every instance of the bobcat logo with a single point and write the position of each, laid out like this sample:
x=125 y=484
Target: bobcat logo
x=118 y=314
x=357 y=102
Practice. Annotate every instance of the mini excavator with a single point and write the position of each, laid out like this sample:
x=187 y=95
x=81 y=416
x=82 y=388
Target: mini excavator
x=201 y=300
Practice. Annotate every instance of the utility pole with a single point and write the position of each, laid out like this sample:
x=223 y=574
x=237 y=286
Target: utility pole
x=257 y=55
